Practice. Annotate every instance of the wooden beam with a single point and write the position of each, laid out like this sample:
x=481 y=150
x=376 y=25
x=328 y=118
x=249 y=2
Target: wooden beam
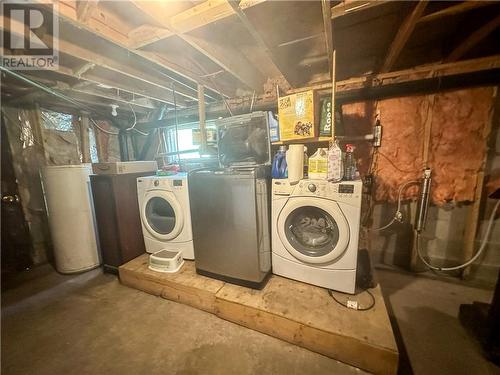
x=85 y=10
x=348 y=7
x=473 y=39
x=146 y=34
x=327 y=29
x=89 y=77
x=202 y=14
x=454 y=10
x=402 y=36
x=228 y=58
x=116 y=66
x=108 y=27
x=237 y=8
x=407 y=75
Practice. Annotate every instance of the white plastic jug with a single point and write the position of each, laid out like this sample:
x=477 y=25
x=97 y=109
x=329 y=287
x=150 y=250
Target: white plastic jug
x=318 y=164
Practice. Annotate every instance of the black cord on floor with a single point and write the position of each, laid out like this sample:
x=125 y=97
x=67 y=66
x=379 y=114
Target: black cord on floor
x=330 y=292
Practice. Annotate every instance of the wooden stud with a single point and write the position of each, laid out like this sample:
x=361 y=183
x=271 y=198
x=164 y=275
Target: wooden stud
x=473 y=39
x=201 y=115
x=327 y=29
x=334 y=59
x=402 y=36
x=84 y=137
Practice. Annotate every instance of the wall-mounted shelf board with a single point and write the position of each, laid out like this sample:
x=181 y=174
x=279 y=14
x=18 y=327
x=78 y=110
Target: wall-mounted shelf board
x=305 y=140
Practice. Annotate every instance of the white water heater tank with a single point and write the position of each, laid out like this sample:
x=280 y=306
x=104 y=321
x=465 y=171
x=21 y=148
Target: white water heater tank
x=71 y=217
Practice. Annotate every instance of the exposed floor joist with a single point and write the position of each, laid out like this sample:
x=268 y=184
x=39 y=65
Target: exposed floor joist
x=352 y=6
x=473 y=39
x=454 y=10
x=106 y=25
x=237 y=8
x=200 y=15
x=228 y=58
x=402 y=36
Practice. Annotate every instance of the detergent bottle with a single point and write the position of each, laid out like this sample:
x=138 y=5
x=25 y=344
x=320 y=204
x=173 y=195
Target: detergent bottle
x=279 y=168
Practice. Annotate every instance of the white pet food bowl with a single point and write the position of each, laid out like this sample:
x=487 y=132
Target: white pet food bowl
x=166 y=261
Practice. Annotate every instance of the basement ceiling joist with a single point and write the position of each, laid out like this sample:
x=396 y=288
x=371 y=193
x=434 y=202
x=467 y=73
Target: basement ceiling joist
x=108 y=26
x=129 y=49
x=230 y=59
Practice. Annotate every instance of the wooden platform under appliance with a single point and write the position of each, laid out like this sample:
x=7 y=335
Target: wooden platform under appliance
x=299 y=313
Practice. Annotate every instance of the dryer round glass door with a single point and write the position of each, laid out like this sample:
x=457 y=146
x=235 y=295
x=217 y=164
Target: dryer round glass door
x=313 y=231
x=161 y=215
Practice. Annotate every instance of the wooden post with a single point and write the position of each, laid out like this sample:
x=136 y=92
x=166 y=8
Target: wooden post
x=84 y=137
x=333 y=95
x=201 y=115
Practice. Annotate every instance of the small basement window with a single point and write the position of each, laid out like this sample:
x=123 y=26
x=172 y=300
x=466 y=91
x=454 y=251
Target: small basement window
x=57 y=121
x=188 y=146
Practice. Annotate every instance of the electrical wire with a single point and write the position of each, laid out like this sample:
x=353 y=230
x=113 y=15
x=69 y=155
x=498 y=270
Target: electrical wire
x=470 y=261
x=398 y=215
x=394 y=165
x=101 y=129
x=369 y=307
x=135 y=122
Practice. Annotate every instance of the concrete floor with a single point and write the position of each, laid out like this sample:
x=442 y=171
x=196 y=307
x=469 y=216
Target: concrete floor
x=90 y=324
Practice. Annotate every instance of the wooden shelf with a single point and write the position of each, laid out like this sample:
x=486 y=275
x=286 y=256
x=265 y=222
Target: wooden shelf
x=305 y=140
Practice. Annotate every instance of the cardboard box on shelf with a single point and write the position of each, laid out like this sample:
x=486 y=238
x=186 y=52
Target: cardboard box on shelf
x=297 y=116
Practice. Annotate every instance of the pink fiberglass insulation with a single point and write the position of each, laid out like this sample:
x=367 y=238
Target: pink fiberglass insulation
x=457 y=146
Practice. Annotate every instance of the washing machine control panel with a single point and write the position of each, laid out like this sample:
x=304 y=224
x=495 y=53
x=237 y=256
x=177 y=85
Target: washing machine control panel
x=282 y=187
x=347 y=191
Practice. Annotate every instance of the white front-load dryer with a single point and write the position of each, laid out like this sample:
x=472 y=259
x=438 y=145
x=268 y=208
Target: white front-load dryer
x=165 y=213
x=315 y=230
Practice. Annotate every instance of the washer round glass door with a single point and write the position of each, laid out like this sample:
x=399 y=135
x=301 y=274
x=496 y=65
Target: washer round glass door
x=162 y=215
x=313 y=231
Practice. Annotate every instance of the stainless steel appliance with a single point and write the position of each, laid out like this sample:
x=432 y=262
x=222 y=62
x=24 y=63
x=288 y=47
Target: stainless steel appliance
x=230 y=205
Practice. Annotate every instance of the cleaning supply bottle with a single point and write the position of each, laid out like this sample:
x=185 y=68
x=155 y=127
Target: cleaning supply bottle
x=335 y=163
x=279 y=168
x=306 y=163
x=318 y=164
x=349 y=163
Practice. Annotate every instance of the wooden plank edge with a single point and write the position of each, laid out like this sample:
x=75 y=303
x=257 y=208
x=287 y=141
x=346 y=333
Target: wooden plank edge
x=346 y=349
x=197 y=298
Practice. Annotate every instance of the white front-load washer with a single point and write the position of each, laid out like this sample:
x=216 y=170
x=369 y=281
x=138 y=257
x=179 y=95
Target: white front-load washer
x=165 y=213
x=315 y=230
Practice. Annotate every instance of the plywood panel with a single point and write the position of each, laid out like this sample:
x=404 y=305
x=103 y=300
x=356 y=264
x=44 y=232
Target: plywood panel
x=184 y=286
x=307 y=316
x=299 y=313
